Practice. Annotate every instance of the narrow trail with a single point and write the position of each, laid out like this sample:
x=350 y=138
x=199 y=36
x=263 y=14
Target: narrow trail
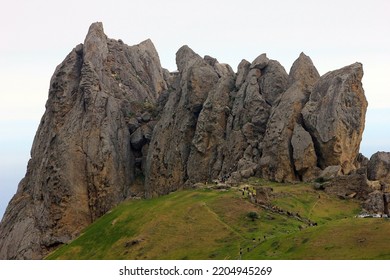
x=222 y=222
x=311 y=209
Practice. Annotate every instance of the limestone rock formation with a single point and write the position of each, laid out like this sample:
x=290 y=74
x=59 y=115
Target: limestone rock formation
x=209 y=142
x=331 y=172
x=278 y=158
x=349 y=186
x=378 y=172
x=82 y=162
x=166 y=164
x=335 y=116
x=304 y=155
x=118 y=125
x=377 y=202
x=378 y=168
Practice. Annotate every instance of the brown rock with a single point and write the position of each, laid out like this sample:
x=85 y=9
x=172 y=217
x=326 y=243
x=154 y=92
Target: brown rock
x=245 y=125
x=114 y=116
x=330 y=172
x=335 y=116
x=305 y=159
x=81 y=163
x=170 y=146
x=386 y=200
x=242 y=72
x=263 y=195
x=304 y=72
x=345 y=185
x=277 y=162
x=361 y=162
x=378 y=167
x=208 y=145
x=260 y=62
x=375 y=203
x=273 y=81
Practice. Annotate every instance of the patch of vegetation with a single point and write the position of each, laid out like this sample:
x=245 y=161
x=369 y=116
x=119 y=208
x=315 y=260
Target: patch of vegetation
x=320 y=180
x=252 y=215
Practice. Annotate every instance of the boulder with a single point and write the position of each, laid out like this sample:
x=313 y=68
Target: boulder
x=345 y=185
x=330 y=172
x=304 y=156
x=140 y=137
x=263 y=195
x=378 y=167
x=260 y=62
x=242 y=72
x=335 y=116
x=133 y=124
x=377 y=203
x=146 y=117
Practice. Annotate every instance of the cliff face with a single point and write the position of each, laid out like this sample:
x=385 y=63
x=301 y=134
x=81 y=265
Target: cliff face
x=115 y=116
x=260 y=121
x=82 y=162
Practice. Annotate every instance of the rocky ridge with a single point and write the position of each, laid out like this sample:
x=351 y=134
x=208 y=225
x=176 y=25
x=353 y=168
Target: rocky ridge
x=117 y=125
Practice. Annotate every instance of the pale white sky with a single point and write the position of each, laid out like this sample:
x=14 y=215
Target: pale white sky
x=37 y=35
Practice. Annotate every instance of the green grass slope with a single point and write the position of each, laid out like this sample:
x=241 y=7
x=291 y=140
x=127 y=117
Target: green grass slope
x=213 y=224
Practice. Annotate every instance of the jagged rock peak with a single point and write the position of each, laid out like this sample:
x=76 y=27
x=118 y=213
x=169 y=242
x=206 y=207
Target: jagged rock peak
x=260 y=62
x=242 y=72
x=95 y=46
x=304 y=71
x=89 y=146
x=184 y=56
x=288 y=150
x=97 y=28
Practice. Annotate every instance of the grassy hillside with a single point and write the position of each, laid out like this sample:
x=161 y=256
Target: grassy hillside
x=213 y=224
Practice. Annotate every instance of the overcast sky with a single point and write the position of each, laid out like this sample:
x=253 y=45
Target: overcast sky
x=37 y=35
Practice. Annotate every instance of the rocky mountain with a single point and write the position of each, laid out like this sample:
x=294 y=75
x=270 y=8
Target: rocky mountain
x=85 y=152
x=117 y=125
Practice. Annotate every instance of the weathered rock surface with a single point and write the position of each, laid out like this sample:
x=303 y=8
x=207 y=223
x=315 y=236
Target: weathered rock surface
x=278 y=158
x=349 y=186
x=208 y=147
x=263 y=195
x=377 y=202
x=82 y=163
x=335 y=116
x=304 y=155
x=378 y=171
x=330 y=172
x=378 y=168
x=265 y=81
x=114 y=117
x=170 y=147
